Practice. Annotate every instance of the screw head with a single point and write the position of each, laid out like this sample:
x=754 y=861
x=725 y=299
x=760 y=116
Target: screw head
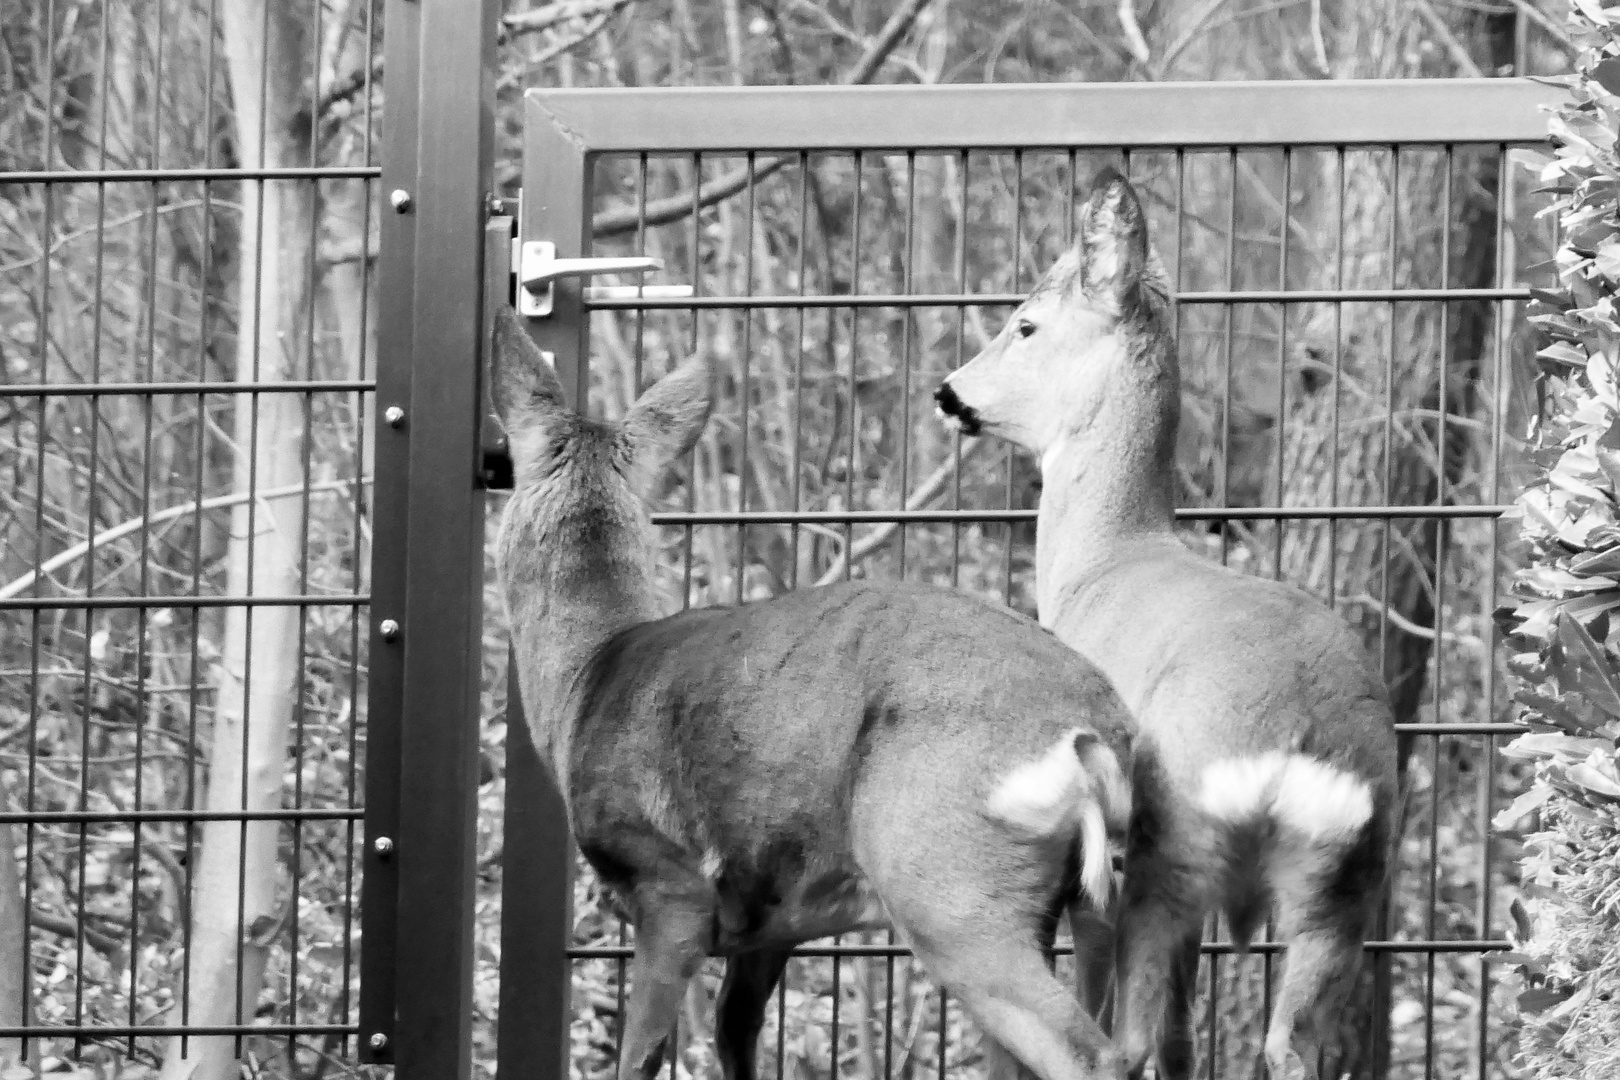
x=390 y=629
x=400 y=200
x=383 y=845
x=394 y=415
x=378 y=1040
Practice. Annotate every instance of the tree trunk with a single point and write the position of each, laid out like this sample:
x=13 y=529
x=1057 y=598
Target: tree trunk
x=14 y=982
x=257 y=677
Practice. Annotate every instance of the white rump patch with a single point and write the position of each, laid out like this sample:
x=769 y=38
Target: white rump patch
x=1309 y=796
x=1056 y=797
x=1041 y=797
x=1321 y=801
x=711 y=864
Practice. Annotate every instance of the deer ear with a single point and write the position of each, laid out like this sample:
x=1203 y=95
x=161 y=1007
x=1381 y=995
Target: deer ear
x=530 y=388
x=666 y=421
x=1111 y=239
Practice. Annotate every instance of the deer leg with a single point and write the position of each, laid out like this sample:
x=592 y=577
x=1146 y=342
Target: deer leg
x=1317 y=977
x=740 y=1010
x=672 y=939
x=1160 y=916
x=1177 y=1050
x=1326 y=901
x=1093 y=933
x=1035 y=1024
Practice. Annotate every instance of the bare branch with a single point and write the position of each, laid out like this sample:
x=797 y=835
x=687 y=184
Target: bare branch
x=926 y=493
x=551 y=52
x=674 y=207
x=1454 y=48
x=549 y=16
x=1194 y=28
x=1133 y=32
x=106 y=536
x=1317 y=43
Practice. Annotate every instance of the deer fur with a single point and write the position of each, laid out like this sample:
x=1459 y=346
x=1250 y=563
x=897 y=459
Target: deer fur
x=745 y=779
x=1265 y=776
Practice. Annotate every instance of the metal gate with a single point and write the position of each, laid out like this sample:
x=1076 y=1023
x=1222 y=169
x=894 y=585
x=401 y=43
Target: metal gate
x=1347 y=258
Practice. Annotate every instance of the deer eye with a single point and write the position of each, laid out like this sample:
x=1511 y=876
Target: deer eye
x=1025 y=328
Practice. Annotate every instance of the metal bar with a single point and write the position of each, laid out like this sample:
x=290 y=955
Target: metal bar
x=994 y=515
x=134 y=176
x=965 y=299
x=1209 y=948
x=1051 y=116
x=537 y=869
x=536 y=905
x=81 y=603
x=155 y=389
x=439 y=639
x=385 y=684
x=122 y=1031
x=41 y=817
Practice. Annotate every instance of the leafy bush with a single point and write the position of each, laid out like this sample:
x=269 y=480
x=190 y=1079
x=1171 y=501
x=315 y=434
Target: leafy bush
x=1562 y=629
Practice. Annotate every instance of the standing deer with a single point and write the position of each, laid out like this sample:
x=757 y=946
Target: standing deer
x=1265 y=776
x=745 y=779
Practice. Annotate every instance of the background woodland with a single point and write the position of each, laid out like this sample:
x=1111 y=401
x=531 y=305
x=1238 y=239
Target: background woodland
x=147 y=923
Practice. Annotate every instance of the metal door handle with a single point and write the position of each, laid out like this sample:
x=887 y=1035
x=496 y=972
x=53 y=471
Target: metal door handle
x=538 y=267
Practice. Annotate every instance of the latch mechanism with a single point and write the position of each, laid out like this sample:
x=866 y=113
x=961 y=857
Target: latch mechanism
x=538 y=267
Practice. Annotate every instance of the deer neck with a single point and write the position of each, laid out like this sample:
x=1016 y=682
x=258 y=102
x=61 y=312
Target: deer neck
x=1106 y=488
x=572 y=587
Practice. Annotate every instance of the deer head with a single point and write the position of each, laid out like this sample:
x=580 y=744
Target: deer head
x=1093 y=327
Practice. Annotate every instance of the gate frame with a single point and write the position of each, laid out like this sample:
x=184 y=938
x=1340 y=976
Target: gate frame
x=566 y=129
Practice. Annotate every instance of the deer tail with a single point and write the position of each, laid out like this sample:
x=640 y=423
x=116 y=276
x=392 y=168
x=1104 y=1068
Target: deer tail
x=1271 y=803
x=1072 y=793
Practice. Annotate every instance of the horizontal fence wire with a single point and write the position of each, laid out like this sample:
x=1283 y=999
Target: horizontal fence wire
x=1350 y=372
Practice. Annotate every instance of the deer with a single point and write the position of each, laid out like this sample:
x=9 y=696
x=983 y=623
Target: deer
x=1264 y=774
x=745 y=779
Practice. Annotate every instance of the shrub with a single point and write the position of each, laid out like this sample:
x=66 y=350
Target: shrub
x=1561 y=628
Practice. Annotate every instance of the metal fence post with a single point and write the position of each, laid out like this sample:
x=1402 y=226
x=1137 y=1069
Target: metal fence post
x=432 y=286
x=390 y=495
x=537 y=866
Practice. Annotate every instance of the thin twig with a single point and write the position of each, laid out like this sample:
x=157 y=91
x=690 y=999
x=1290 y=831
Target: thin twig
x=675 y=207
x=1194 y=28
x=106 y=536
x=926 y=493
x=549 y=16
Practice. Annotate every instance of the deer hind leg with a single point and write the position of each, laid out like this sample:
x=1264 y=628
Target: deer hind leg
x=1160 y=925
x=1324 y=917
x=740 y=1011
x=1093 y=933
x=672 y=938
x=1034 y=1024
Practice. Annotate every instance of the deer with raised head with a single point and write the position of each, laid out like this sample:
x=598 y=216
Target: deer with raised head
x=1265 y=775
x=746 y=779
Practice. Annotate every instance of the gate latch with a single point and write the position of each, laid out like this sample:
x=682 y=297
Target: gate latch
x=538 y=266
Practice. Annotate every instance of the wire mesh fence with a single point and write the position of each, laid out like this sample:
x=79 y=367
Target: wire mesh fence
x=1353 y=357
x=188 y=194
x=190 y=199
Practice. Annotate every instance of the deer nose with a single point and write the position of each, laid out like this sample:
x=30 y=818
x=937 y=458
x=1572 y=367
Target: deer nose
x=949 y=404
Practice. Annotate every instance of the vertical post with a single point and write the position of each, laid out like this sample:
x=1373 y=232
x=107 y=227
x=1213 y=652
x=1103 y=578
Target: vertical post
x=385 y=684
x=536 y=886
x=436 y=636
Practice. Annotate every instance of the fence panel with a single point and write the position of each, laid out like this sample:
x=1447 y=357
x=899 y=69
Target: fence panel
x=1349 y=260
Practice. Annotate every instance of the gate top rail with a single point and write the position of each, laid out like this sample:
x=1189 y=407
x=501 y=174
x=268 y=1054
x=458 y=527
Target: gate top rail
x=1347 y=112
